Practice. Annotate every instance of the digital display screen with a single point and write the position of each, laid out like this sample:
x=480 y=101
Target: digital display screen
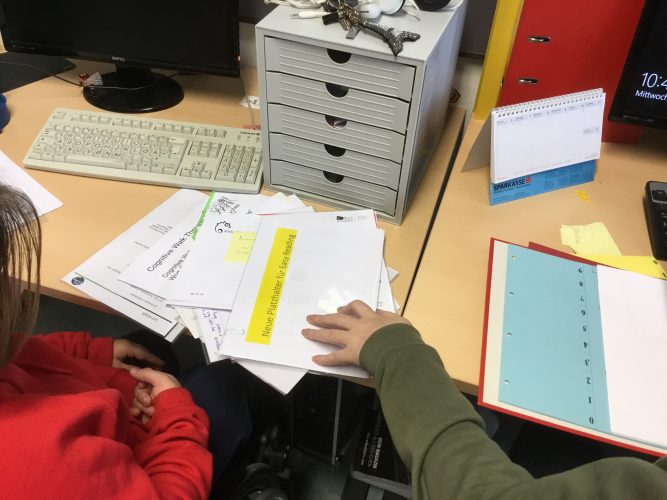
x=642 y=92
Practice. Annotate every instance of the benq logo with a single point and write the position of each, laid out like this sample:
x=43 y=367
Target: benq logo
x=116 y=58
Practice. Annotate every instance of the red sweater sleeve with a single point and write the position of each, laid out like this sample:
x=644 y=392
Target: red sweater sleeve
x=175 y=454
x=73 y=446
x=82 y=345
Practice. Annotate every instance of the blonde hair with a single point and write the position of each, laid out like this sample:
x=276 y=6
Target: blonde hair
x=20 y=257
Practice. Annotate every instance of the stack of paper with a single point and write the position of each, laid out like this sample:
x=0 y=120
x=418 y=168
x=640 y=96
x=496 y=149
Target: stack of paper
x=301 y=264
x=241 y=272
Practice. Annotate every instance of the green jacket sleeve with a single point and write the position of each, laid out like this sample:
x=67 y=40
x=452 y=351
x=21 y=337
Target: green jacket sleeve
x=442 y=440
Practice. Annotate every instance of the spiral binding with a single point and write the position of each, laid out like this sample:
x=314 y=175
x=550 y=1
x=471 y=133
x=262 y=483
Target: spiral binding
x=549 y=102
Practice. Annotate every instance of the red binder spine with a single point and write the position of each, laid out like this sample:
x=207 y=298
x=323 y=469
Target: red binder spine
x=571 y=46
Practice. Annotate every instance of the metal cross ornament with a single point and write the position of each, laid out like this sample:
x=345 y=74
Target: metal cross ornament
x=393 y=37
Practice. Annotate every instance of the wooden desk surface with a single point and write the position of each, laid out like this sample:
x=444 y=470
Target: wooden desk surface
x=447 y=300
x=95 y=211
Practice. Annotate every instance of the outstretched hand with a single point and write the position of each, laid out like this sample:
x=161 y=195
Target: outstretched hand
x=349 y=328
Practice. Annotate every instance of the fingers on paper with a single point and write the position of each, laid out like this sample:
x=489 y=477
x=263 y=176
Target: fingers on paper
x=332 y=321
x=328 y=336
x=356 y=308
x=341 y=357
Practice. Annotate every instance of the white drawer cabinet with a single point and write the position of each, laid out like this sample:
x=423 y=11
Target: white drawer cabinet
x=345 y=122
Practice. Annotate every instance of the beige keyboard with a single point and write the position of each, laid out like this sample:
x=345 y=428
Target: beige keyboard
x=135 y=148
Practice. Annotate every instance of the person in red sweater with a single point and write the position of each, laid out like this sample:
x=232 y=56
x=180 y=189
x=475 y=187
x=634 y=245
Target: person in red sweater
x=77 y=421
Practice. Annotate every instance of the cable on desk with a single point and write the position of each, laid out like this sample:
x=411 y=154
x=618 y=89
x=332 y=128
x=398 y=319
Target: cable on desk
x=247 y=100
x=299 y=4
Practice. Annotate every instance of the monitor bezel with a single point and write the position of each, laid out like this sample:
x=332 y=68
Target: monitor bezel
x=233 y=69
x=617 y=111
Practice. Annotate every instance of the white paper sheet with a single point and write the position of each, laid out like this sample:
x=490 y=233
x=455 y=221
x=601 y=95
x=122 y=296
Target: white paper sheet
x=157 y=269
x=212 y=323
x=13 y=175
x=208 y=325
x=385 y=298
x=98 y=276
x=188 y=317
x=211 y=277
x=545 y=134
x=634 y=325
x=330 y=265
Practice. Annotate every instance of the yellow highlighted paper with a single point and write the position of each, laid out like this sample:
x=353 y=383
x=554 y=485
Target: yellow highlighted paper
x=240 y=247
x=593 y=239
x=263 y=318
x=636 y=263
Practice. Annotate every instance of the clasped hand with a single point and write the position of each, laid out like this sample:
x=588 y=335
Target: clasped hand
x=151 y=382
x=124 y=350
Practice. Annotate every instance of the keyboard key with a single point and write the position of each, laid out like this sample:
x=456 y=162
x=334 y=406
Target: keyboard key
x=95 y=162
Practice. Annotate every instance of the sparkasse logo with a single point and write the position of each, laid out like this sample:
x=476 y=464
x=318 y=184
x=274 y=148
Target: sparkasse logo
x=501 y=186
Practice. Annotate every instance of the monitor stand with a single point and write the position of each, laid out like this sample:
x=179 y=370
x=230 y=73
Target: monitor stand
x=134 y=90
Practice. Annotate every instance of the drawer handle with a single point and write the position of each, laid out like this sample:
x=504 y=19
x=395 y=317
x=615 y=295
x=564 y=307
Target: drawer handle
x=334 y=150
x=528 y=81
x=331 y=177
x=334 y=122
x=337 y=90
x=338 y=56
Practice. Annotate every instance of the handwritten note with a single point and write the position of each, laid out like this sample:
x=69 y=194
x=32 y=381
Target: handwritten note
x=240 y=246
x=589 y=239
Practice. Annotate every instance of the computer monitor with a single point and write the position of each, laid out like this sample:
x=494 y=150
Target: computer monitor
x=641 y=96
x=197 y=36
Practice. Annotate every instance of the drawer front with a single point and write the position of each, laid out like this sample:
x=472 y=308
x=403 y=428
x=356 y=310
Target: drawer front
x=337 y=160
x=334 y=99
x=310 y=180
x=327 y=129
x=351 y=70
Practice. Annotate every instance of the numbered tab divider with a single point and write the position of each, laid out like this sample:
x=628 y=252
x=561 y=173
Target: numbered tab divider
x=552 y=360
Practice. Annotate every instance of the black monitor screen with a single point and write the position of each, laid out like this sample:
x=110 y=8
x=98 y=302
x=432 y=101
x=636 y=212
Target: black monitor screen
x=642 y=92
x=193 y=36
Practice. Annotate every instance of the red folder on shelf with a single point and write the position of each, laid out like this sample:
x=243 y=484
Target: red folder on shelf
x=571 y=46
